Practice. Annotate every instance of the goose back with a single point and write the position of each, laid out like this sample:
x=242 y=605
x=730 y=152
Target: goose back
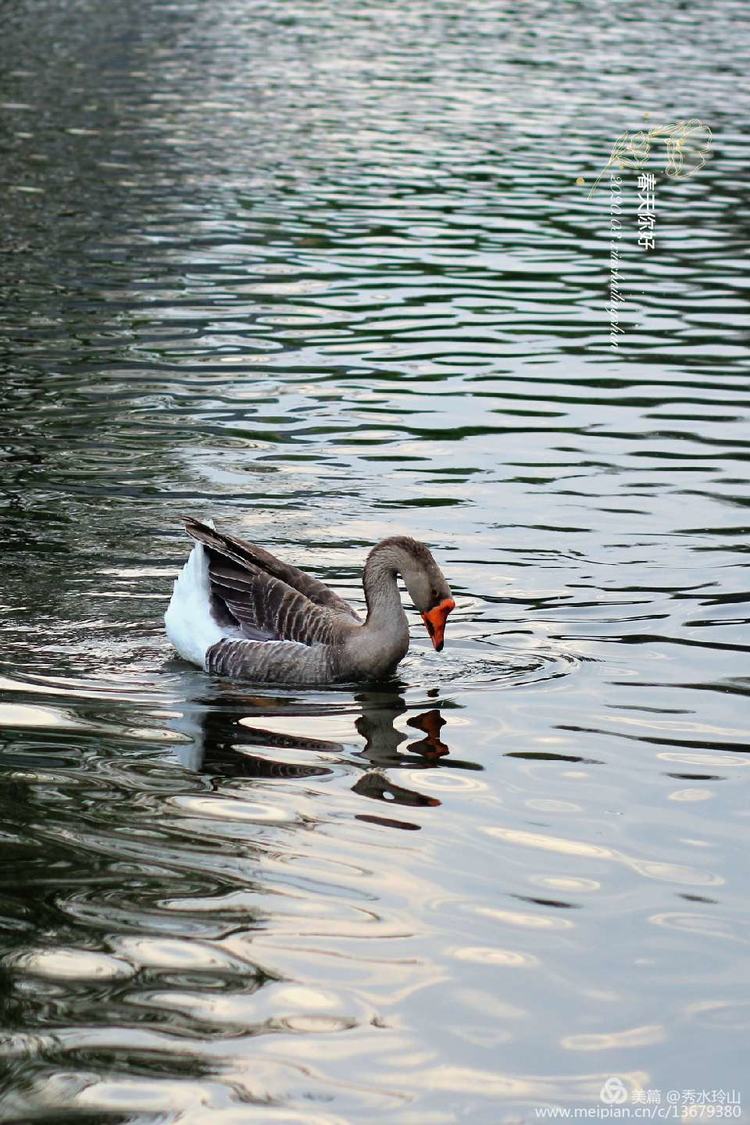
x=248 y=555
x=260 y=598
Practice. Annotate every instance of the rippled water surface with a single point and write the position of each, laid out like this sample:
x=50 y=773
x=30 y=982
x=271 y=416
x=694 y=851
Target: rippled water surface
x=323 y=272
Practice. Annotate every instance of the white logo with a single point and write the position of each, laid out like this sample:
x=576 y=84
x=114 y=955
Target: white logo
x=614 y=1092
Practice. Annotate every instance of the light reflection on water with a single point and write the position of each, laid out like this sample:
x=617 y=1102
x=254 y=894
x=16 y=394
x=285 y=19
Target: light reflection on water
x=323 y=273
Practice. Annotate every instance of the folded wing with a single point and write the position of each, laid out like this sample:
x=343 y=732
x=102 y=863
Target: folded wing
x=265 y=598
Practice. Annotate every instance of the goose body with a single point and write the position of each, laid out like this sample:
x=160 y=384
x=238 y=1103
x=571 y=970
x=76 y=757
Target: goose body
x=238 y=611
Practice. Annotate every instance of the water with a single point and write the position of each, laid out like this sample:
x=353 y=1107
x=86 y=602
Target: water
x=323 y=272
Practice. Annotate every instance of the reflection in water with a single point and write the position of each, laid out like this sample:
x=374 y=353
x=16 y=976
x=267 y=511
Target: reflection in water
x=229 y=741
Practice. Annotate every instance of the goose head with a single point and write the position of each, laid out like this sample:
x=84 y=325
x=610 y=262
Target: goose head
x=432 y=596
x=424 y=581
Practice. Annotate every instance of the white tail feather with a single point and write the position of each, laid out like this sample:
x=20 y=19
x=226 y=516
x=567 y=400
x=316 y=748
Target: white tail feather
x=190 y=624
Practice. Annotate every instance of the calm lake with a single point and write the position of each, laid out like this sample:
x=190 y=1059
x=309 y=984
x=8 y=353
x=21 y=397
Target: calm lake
x=322 y=271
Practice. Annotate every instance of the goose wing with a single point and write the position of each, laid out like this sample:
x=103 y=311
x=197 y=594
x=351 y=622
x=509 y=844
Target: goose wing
x=266 y=598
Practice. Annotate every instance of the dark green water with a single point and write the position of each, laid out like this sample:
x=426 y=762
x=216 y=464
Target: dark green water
x=322 y=271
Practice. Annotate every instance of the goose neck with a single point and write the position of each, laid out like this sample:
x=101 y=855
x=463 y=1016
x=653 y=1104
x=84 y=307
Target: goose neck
x=381 y=589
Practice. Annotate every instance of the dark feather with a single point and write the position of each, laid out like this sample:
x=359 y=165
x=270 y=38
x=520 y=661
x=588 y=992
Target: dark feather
x=246 y=554
x=260 y=604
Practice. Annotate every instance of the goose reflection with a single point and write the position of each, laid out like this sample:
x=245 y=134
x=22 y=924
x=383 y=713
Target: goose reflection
x=376 y=724
x=382 y=738
x=236 y=735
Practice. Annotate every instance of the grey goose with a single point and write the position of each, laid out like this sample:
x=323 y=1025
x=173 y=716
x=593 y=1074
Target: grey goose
x=238 y=611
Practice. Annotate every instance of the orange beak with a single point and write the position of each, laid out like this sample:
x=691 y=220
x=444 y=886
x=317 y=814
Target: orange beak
x=435 y=619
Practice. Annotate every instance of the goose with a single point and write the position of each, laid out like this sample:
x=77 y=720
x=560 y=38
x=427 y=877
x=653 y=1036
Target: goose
x=238 y=611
